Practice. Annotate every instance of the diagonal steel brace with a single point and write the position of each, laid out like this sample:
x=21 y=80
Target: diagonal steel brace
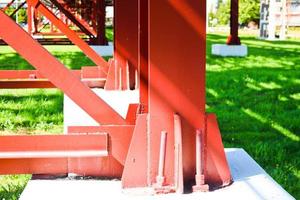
x=98 y=60
x=56 y=72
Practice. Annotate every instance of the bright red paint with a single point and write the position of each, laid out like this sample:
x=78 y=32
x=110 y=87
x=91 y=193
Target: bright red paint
x=160 y=50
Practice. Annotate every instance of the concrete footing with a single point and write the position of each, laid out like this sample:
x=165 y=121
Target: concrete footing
x=250 y=182
x=118 y=100
x=229 y=50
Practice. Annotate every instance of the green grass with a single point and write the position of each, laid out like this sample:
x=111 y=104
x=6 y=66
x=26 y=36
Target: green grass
x=257 y=100
x=32 y=111
x=12 y=186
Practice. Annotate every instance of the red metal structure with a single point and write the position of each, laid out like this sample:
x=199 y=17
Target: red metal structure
x=85 y=16
x=167 y=141
x=233 y=38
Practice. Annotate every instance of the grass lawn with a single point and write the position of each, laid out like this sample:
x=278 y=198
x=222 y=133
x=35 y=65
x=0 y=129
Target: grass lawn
x=257 y=100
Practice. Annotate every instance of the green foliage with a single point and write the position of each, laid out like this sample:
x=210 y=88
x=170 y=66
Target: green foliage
x=257 y=101
x=22 y=14
x=110 y=34
x=249 y=11
x=12 y=186
x=223 y=13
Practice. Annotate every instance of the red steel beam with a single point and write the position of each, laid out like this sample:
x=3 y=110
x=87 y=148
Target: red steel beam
x=49 y=40
x=162 y=153
x=56 y=72
x=80 y=23
x=126 y=41
x=27 y=74
x=56 y=154
x=85 y=166
x=24 y=84
x=17 y=79
x=119 y=138
x=98 y=60
x=180 y=73
x=44 y=83
x=143 y=53
x=29 y=19
x=53 y=146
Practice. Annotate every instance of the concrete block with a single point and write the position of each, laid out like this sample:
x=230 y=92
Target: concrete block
x=250 y=182
x=118 y=100
x=229 y=50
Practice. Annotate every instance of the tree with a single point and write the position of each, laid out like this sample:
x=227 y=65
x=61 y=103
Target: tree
x=22 y=14
x=249 y=11
x=223 y=13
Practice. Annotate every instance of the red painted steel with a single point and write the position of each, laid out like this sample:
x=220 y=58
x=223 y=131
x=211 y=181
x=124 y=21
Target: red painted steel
x=44 y=83
x=22 y=84
x=93 y=77
x=98 y=60
x=199 y=177
x=88 y=16
x=53 y=143
x=177 y=72
x=47 y=153
x=125 y=43
x=16 y=79
x=143 y=53
x=216 y=170
x=56 y=72
x=119 y=138
x=178 y=156
x=176 y=89
x=30 y=74
x=29 y=19
x=171 y=142
x=137 y=156
x=233 y=38
x=160 y=179
x=49 y=40
x=81 y=24
x=107 y=167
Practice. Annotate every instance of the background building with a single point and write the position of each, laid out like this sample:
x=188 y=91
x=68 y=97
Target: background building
x=277 y=16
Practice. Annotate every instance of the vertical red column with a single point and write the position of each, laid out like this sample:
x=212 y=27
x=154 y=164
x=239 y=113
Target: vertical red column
x=29 y=19
x=35 y=20
x=177 y=41
x=143 y=53
x=126 y=41
x=172 y=52
x=233 y=38
x=51 y=24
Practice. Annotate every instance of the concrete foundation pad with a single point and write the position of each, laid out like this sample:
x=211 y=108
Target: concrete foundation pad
x=250 y=182
x=104 y=50
x=118 y=100
x=229 y=50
